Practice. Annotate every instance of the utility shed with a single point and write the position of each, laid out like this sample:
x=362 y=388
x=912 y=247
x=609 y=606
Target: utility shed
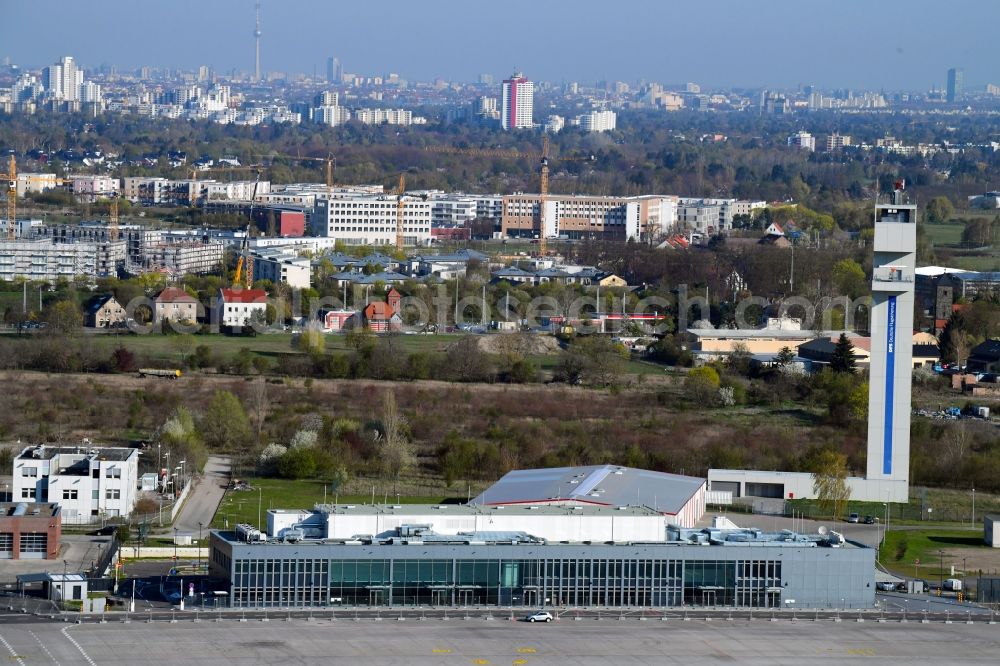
x=991 y=530
x=681 y=498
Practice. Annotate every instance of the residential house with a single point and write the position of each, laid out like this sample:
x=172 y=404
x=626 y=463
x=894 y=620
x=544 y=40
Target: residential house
x=236 y=307
x=513 y=275
x=175 y=304
x=105 y=312
x=445 y=266
x=984 y=357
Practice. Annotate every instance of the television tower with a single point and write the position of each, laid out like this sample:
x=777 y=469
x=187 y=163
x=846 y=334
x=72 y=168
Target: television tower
x=256 y=35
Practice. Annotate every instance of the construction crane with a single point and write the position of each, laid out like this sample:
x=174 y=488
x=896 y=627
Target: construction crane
x=11 y=177
x=400 y=205
x=113 y=215
x=544 y=160
x=244 y=266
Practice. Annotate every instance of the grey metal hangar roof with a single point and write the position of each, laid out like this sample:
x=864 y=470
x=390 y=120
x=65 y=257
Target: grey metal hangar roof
x=609 y=485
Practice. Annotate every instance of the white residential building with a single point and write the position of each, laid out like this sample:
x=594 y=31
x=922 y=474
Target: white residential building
x=803 y=140
x=62 y=80
x=554 y=124
x=518 y=103
x=598 y=121
x=235 y=308
x=331 y=115
x=384 y=116
x=371 y=220
x=87 y=482
x=452 y=212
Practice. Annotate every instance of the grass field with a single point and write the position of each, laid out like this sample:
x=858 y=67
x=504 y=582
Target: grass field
x=932 y=547
x=944 y=234
x=242 y=506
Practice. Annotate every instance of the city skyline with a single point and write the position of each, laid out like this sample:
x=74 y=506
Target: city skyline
x=727 y=44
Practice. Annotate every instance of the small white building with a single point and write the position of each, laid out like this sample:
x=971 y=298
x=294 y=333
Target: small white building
x=235 y=308
x=991 y=535
x=282 y=265
x=87 y=482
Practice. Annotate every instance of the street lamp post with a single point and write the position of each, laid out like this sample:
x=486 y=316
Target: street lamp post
x=199 y=547
x=62 y=588
x=183 y=470
x=941 y=562
x=175 y=547
x=973 y=507
x=260 y=502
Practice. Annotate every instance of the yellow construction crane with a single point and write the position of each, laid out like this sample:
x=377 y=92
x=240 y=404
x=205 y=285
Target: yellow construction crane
x=11 y=177
x=244 y=266
x=400 y=205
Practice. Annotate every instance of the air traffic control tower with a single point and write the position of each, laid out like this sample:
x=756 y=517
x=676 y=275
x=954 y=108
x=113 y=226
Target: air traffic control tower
x=895 y=257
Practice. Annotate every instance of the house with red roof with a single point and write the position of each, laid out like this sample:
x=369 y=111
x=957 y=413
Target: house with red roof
x=235 y=307
x=175 y=304
x=380 y=317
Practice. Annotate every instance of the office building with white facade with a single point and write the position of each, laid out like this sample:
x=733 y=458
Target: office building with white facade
x=87 y=482
x=48 y=261
x=371 y=220
x=517 y=111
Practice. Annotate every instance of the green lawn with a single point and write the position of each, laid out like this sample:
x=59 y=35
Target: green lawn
x=975 y=263
x=242 y=506
x=902 y=548
x=944 y=234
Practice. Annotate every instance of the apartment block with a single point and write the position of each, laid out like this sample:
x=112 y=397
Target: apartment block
x=86 y=482
x=47 y=260
x=183 y=257
x=580 y=216
x=371 y=220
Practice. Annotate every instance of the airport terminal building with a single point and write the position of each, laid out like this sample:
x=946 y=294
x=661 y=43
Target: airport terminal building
x=530 y=557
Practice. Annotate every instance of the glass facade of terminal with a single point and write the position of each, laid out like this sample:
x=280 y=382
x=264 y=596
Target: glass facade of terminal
x=499 y=582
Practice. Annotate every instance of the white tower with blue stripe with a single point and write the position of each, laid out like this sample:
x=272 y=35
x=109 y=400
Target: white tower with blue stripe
x=895 y=257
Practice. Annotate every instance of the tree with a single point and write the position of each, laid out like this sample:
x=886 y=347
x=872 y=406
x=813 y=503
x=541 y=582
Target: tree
x=395 y=451
x=597 y=359
x=703 y=384
x=468 y=362
x=64 y=317
x=849 y=278
x=830 y=482
x=785 y=356
x=225 y=425
x=297 y=463
x=843 y=355
x=939 y=210
x=311 y=340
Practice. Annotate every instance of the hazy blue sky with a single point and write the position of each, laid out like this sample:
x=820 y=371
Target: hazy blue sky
x=891 y=44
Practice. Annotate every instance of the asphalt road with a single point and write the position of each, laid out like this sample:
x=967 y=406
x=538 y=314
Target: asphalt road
x=205 y=497
x=374 y=642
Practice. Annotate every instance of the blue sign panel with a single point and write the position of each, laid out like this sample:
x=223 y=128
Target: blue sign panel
x=890 y=378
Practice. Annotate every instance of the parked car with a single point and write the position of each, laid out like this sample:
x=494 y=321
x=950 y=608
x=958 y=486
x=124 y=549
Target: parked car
x=885 y=586
x=539 y=616
x=853 y=518
x=869 y=520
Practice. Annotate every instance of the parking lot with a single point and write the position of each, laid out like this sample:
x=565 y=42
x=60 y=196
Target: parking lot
x=487 y=642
